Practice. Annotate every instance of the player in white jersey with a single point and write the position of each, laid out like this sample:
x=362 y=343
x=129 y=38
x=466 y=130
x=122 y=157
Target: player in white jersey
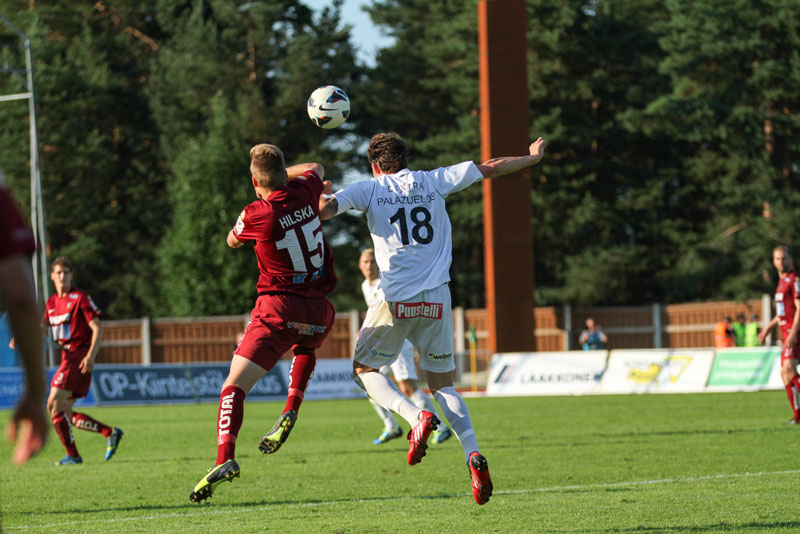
x=403 y=369
x=411 y=232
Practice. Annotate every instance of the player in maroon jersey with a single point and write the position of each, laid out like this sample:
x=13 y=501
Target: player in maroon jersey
x=296 y=273
x=74 y=322
x=787 y=316
x=28 y=426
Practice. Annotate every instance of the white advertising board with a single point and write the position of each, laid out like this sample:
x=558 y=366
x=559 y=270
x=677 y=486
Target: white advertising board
x=546 y=373
x=657 y=371
x=333 y=379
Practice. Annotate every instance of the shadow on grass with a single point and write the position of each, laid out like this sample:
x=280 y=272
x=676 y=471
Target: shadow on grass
x=222 y=507
x=247 y=454
x=753 y=526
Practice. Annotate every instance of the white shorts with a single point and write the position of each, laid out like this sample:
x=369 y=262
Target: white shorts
x=426 y=320
x=403 y=367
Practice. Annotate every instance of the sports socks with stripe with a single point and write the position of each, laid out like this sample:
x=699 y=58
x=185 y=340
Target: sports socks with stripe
x=229 y=422
x=299 y=375
x=85 y=422
x=64 y=431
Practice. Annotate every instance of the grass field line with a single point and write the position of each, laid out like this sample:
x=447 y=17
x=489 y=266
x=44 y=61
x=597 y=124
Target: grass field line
x=632 y=483
x=264 y=508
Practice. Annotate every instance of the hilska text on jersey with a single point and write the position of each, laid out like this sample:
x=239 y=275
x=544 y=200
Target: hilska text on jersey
x=298 y=215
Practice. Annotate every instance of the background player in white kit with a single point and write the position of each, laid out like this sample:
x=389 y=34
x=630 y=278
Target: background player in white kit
x=403 y=369
x=412 y=236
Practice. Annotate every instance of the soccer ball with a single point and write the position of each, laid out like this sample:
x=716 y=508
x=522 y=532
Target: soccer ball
x=328 y=106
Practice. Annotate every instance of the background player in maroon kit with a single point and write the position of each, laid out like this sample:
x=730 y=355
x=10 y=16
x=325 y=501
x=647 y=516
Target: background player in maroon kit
x=787 y=316
x=296 y=273
x=28 y=426
x=74 y=322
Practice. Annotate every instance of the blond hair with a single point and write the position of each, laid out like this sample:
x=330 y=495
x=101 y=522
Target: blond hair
x=268 y=166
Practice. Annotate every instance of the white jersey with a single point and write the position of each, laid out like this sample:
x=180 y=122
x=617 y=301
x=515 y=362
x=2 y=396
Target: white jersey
x=408 y=221
x=371 y=291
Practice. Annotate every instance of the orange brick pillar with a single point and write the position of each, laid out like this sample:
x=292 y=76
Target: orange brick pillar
x=508 y=234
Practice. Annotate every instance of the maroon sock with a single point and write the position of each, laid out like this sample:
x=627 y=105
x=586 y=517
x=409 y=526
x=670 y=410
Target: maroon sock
x=790 y=392
x=229 y=421
x=64 y=431
x=299 y=375
x=85 y=422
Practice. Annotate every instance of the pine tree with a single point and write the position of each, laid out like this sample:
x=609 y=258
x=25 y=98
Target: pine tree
x=102 y=180
x=200 y=274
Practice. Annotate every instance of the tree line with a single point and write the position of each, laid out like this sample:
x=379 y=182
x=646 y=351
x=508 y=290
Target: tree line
x=672 y=168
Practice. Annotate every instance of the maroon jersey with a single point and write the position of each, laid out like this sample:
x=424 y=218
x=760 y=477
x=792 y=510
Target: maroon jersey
x=68 y=318
x=15 y=236
x=292 y=255
x=788 y=290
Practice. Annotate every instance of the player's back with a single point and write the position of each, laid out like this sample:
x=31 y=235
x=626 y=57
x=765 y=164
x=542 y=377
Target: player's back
x=292 y=254
x=409 y=224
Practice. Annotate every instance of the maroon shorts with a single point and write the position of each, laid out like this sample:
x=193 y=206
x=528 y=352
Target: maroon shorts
x=792 y=353
x=69 y=376
x=282 y=322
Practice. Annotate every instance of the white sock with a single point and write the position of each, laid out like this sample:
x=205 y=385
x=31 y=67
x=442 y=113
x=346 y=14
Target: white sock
x=384 y=392
x=424 y=402
x=390 y=425
x=456 y=413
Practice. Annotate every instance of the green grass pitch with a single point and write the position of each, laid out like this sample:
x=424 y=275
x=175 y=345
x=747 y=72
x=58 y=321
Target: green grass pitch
x=638 y=464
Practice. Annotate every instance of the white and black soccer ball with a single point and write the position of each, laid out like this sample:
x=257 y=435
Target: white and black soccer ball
x=328 y=106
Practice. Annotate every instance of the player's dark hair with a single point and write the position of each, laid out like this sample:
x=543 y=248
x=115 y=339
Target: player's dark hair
x=389 y=151
x=268 y=166
x=63 y=262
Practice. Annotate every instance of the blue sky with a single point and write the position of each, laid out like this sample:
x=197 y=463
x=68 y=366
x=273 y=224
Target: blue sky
x=366 y=36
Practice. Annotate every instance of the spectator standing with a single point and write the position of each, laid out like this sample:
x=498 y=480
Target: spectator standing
x=739 y=330
x=593 y=337
x=751 y=331
x=723 y=334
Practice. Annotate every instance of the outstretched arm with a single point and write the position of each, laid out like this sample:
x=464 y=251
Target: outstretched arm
x=296 y=171
x=497 y=167
x=328 y=207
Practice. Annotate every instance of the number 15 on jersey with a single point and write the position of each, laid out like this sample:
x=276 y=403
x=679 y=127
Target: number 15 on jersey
x=307 y=254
